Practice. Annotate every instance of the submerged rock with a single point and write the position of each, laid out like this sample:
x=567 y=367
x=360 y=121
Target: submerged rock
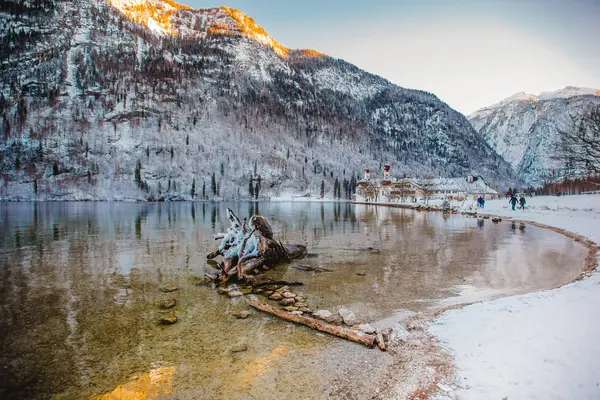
x=168 y=303
x=290 y=308
x=242 y=314
x=297 y=312
x=289 y=295
x=168 y=287
x=223 y=290
x=276 y=296
x=348 y=317
x=287 y=302
x=168 y=319
x=234 y=293
x=238 y=348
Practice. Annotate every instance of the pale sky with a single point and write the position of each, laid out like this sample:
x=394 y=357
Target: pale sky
x=469 y=53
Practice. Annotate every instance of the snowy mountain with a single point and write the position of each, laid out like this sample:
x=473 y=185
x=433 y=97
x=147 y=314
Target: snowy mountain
x=150 y=99
x=524 y=129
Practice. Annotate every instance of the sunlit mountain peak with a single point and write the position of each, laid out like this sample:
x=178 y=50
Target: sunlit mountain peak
x=249 y=27
x=155 y=14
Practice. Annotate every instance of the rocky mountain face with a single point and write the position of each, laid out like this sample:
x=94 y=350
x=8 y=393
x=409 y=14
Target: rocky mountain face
x=525 y=129
x=149 y=99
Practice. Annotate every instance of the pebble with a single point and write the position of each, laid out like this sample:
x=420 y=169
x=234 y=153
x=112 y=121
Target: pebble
x=348 y=317
x=304 y=309
x=323 y=314
x=168 y=287
x=234 y=293
x=222 y=290
x=168 y=320
x=334 y=319
x=297 y=312
x=301 y=304
x=283 y=289
x=366 y=328
x=289 y=295
x=290 y=308
x=238 y=348
x=168 y=303
x=242 y=314
x=267 y=293
x=288 y=302
x=275 y=296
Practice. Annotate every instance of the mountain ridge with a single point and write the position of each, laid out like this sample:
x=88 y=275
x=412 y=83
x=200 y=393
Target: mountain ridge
x=526 y=130
x=106 y=108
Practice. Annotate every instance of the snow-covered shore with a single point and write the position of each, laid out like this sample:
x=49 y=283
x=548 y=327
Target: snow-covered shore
x=541 y=345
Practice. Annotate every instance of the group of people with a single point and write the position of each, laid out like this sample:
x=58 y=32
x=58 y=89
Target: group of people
x=513 y=201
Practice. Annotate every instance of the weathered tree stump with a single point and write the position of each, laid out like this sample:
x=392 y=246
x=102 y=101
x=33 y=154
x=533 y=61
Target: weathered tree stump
x=247 y=247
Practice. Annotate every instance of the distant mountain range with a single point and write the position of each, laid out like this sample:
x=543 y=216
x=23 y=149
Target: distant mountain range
x=525 y=129
x=150 y=99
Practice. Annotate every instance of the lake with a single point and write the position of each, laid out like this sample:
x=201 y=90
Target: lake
x=80 y=282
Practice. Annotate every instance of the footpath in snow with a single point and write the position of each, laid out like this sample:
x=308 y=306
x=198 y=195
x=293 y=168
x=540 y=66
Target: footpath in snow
x=543 y=345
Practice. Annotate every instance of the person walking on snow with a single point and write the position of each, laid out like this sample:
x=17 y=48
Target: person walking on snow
x=513 y=201
x=522 y=203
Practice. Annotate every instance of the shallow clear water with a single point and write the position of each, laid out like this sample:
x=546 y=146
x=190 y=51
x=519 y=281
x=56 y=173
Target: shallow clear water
x=79 y=288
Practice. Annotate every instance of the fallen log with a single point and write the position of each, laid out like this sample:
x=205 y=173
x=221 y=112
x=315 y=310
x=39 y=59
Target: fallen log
x=339 y=331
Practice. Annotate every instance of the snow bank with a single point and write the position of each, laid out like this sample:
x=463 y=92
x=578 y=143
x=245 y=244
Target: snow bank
x=535 y=346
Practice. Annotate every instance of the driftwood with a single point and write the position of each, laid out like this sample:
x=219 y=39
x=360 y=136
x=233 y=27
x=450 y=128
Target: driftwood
x=249 y=246
x=340 y=331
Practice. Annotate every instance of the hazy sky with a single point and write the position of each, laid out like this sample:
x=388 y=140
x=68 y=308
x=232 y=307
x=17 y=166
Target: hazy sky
x=469 y=53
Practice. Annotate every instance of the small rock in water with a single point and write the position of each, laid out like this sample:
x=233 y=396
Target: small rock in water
x=304 y=309
x=234 y=293
x=223 y=290
x=323 y=314
x=289 y=295
x=297 y=312
x=366 y=328
x=168 y=287
x=267 y=293
x=288 y=302
x=348 y=317
x=168 y=319
x=242 y=314
x=361 y=274
x=238 y=348
x=258 y=290
x=496 y=219
x=276 y=296
x=290 y=308
x=300 y=304
x=283 y=289
x=168 y=303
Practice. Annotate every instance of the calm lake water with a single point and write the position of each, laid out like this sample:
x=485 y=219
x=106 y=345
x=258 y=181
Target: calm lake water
x=79 y=289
